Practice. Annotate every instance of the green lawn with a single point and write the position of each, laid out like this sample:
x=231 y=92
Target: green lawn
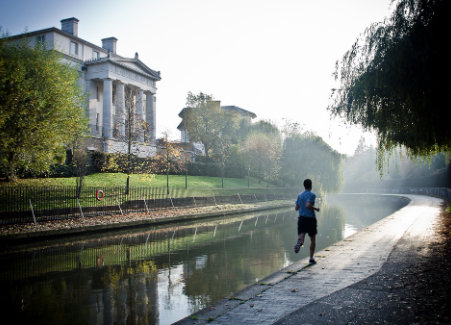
x=138 y=180
x=56 y=193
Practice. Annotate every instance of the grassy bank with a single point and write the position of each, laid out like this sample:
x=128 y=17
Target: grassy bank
x=107 y=193
x=138 y=180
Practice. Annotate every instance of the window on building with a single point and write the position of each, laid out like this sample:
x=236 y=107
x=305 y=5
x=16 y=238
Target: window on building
x=73 y=48
x=95 y=55
x=97 y=122
x=116 y=127
x=40 y=39
x=97 y=93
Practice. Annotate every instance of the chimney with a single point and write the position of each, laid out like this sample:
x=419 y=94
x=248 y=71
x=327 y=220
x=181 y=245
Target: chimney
x=70 y=25
x=109 y=44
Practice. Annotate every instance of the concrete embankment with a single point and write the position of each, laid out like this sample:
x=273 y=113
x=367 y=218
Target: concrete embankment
x=94 y=225
x=283 y=296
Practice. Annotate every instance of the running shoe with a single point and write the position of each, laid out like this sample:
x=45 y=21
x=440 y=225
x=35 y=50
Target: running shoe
x=297 y=247
x=311 y=261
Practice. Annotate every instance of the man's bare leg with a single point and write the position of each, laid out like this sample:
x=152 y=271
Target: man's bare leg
x=312 y=245
x=301 y=238
x=312 y=249
x=300 y=242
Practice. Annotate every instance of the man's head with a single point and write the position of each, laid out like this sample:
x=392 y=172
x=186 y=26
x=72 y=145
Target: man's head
x=308 y=184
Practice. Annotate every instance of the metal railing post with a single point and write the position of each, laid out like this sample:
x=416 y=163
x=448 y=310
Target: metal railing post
x=32 y=212
x=79 y=206
x=119 y=205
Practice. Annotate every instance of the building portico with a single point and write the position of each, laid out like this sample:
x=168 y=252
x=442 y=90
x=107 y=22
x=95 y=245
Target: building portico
x=121 y=105
x=128 y=102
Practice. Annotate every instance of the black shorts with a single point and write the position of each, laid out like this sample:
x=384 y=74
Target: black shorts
x=307 y=225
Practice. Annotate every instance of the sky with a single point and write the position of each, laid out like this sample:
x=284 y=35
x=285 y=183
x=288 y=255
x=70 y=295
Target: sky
x=272 y=57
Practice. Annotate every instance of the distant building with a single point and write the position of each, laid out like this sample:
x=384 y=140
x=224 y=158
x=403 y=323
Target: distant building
x=184 y=135
x=109 y=80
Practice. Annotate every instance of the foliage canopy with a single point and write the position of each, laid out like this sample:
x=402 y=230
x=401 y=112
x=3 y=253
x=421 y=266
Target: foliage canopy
x=201 y=119
x=259 y=147
x=306 y=155
x=40 y=107
x=395 y=78
x=405 y=172
x=261 y=151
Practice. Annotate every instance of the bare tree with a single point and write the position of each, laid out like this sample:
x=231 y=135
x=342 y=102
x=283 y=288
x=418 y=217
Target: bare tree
x=130 y=129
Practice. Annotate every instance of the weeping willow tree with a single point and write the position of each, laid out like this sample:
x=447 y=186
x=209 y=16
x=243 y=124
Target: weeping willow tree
x=396 y=81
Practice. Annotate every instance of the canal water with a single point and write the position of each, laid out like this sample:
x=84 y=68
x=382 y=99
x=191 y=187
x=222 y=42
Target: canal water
x=158 y=275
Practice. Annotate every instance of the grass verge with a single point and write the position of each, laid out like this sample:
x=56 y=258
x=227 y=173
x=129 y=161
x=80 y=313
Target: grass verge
x=141 y=180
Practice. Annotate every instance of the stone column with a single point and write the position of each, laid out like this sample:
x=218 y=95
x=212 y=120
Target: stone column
x=139 y=120
x=92 y=112
x=150 y=116
x=107 y=108
x=120 y=102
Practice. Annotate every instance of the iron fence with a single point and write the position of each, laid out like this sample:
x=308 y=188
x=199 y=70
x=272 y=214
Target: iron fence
x=37 y=204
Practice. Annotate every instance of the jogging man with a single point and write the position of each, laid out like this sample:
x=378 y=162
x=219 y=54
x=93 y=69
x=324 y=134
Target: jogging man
x=307 y=224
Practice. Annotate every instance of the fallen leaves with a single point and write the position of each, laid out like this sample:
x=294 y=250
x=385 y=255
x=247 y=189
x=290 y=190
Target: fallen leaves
x=87 y=221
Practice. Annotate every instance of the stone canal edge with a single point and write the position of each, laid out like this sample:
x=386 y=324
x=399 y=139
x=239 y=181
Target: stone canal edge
x=118 y=223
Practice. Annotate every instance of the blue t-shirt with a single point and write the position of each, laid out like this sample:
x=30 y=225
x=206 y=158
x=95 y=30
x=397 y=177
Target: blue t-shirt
x=303 y=198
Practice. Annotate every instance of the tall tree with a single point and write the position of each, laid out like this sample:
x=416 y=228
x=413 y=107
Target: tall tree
x=308 y=156
x=395 y=78
x=202 y=120
x=131 y=133
x=170 y=158
x=225 y=139
x=261 y=151
x=41 y=107
x=266 y=127
x=130 y=129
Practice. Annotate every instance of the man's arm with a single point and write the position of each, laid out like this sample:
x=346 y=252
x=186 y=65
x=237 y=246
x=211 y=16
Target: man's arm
x=310 y=206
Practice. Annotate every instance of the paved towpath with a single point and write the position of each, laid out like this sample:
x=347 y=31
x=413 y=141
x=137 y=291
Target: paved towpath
x=283 y=296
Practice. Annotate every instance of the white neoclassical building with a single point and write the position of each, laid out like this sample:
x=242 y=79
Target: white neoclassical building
x=121 y=91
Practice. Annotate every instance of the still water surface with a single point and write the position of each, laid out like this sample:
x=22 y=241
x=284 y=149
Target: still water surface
x=159 y=275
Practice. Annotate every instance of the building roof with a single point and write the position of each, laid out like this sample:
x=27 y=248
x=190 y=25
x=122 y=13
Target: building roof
x=59 y=31
x=112 y=57
x=229 y=108
x=129 y=63
x=239 y=110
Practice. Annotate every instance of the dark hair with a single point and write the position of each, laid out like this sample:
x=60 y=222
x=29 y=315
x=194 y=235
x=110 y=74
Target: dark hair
x=308 y=183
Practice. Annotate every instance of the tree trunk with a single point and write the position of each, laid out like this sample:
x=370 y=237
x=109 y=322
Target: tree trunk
x=129 y=156
x=69 y=156
x=167 y=171
x=127 y=189
x=10 y=174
